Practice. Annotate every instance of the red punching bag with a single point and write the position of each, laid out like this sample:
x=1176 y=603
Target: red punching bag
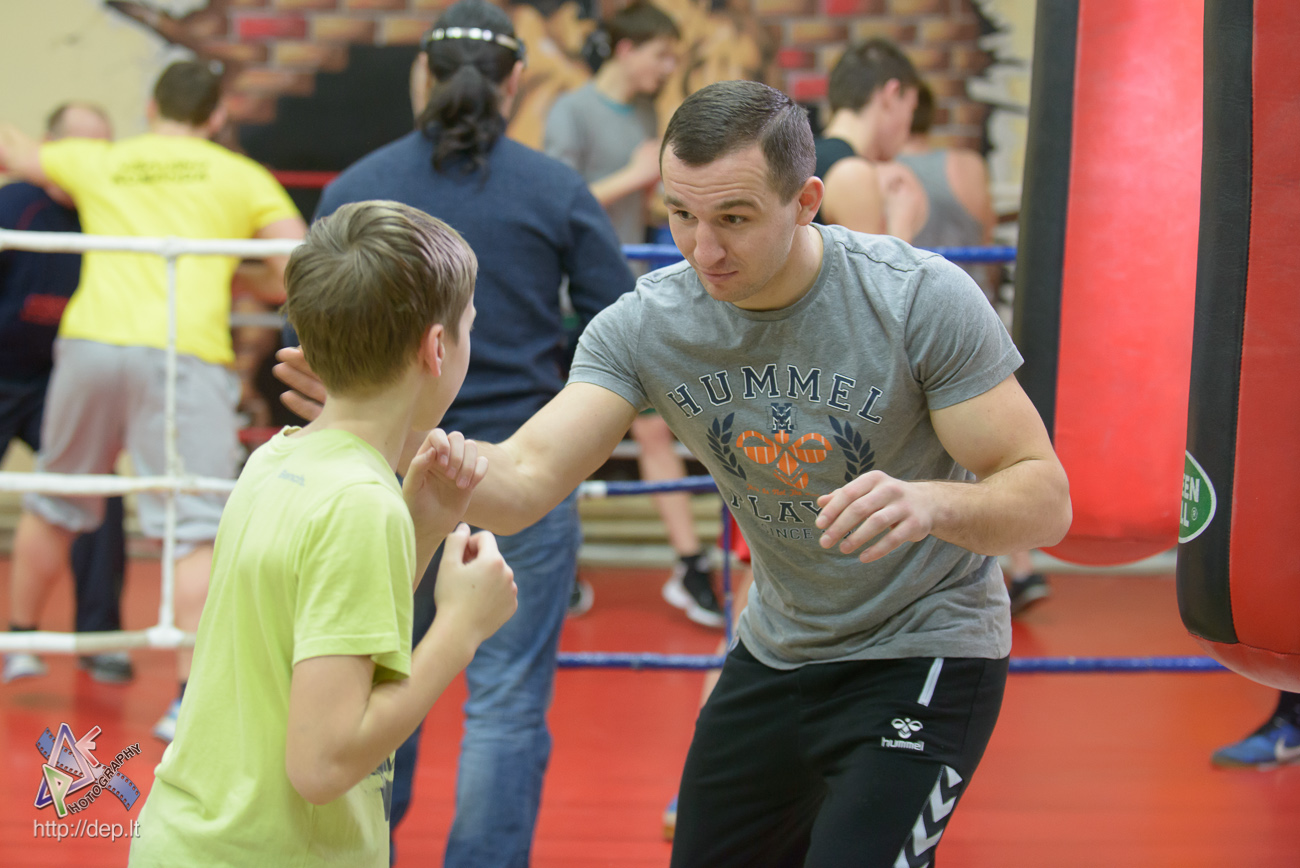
x=1238 y=576
x=1106 y=265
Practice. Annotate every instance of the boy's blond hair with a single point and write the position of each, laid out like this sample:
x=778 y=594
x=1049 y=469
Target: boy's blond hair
x=368 y=283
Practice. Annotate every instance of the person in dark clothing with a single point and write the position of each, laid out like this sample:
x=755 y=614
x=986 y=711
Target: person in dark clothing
x=34 y=289
x=873 y=91
x=532 y=222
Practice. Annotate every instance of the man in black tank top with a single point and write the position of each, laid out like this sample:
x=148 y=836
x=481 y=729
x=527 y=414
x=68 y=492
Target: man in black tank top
x=873 y=92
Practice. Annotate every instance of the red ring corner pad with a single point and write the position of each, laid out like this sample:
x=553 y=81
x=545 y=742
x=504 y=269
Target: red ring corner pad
x=1258 y=664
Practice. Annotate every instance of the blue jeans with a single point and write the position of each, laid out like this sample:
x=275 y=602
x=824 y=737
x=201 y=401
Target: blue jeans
x=506 y=745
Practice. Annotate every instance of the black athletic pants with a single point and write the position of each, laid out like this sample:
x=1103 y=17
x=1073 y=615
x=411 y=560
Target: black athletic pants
x=833 y=764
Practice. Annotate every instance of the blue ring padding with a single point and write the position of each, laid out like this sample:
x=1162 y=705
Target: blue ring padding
x=1032 y=665
x=693 y=484
x=1018 y=665
x=616 y=660
x=975 y=254
x=666 y=254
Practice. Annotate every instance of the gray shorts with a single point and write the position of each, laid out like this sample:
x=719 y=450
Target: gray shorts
x=104 y=399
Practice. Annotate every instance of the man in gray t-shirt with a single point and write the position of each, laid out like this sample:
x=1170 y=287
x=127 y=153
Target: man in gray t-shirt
x=785 y=405
x=855 y=401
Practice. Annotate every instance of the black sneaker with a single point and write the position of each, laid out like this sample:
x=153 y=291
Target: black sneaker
x=1027 y=591
x=113 y=667
x=581 y=598
x=689 y=588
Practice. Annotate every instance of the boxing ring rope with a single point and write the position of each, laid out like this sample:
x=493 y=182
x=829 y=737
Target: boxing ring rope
x=166 y=635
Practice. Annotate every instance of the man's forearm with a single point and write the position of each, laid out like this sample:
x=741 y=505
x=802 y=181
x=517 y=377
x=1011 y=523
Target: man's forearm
x=511 y=497
x=613 y=187
x=1022 y=507
x=561 y=445
x=20 y=155
x=508 y=499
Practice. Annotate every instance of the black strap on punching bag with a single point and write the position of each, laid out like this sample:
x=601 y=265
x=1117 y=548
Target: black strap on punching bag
x=1221 y=270
x=1040 y=258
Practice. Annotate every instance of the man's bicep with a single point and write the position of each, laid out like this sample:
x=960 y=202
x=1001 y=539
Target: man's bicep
x=290 y=229
x=287 y=228
x=993 y=430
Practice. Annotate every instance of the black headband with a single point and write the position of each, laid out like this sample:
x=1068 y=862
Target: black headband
x=480 y=34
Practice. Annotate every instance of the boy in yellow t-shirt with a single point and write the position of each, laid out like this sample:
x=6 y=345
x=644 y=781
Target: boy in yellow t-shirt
x=304 y=682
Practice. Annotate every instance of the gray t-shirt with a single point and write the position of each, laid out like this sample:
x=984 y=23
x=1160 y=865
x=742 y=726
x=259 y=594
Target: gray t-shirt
x=596 y=136
x=784 y=406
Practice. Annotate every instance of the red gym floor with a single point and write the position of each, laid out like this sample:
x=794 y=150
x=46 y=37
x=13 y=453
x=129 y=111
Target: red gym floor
x=1084 y=770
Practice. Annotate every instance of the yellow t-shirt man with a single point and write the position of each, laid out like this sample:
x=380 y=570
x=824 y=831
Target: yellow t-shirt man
x=159 y=186
x=315 y=556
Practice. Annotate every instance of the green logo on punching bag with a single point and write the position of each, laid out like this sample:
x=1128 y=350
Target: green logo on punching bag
x=1198 y=501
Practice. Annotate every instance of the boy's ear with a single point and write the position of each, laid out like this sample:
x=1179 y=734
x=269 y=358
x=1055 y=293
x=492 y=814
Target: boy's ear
x=433 y=348
x=892 y=90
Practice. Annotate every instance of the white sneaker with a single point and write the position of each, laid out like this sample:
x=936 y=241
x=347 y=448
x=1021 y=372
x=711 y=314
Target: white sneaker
x=689 y=588
x=21 y=664
x=581 y=599
x=165 y=728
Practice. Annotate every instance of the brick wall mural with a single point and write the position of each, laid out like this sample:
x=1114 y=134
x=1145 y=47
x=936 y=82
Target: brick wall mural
x=277 y=49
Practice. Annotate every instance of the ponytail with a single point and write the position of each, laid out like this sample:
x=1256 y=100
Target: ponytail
x=464 y=118
x=471 y=51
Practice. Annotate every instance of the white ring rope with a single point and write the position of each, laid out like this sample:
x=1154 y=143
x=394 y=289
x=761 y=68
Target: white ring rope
x=75 y=242
x=164 y=634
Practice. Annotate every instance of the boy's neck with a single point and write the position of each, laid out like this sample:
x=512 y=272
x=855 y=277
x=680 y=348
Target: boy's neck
x=855 y=128
x=917 y=143
x=611 y=81
x=166 y=127
x=381 y=418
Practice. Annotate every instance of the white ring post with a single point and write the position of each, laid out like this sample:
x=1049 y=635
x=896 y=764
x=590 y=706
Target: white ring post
x=166 y=601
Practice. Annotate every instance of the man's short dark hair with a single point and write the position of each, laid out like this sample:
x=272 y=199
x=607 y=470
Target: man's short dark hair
x=729 y=116
x=640 y=21
x=923 y=116
x=866 y=67
x=188 y=91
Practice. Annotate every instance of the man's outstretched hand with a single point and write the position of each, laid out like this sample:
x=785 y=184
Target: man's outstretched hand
x=307 y=393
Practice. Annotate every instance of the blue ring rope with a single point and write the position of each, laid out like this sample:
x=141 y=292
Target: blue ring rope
x=1018 y=665
x=659 y=255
